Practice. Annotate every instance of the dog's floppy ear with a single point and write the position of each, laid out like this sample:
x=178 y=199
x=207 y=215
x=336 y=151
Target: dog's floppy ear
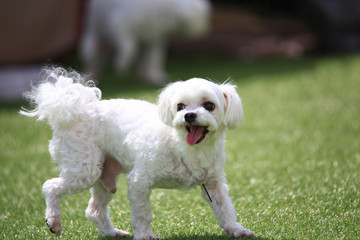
x=233 y=106
x=164 y=105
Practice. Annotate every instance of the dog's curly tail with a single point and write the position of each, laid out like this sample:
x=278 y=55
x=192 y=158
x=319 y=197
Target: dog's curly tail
x=61 y=97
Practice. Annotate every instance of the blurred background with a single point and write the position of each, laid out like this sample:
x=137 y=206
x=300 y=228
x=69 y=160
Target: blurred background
x=34 y=33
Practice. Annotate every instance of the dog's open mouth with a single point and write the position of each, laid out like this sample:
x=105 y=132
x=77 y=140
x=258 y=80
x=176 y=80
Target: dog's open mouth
x=195 y=134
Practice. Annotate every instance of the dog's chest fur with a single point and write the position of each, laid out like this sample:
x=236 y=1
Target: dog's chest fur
x=188 y=170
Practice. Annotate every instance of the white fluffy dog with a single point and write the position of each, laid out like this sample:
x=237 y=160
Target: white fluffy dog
x=178 y=143
x=140 y=27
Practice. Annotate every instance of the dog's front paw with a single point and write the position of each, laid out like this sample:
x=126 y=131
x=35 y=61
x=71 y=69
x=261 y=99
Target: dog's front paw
x=54 y=225
x=236 y=230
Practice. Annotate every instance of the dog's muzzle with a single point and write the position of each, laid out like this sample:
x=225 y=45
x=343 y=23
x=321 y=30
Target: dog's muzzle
x=195 y=133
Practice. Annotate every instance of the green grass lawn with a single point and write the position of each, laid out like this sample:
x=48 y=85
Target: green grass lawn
x=293 y=166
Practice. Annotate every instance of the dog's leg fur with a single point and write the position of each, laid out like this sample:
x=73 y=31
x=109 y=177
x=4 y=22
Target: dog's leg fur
x=53 y=190
x=97 y=211
x=82 y=168
x=224 y=210
x=138 y=194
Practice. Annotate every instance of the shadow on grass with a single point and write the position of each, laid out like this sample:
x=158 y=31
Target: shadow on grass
x=16 y=105
x=213 y=67
x=207 y=237
x=194 y=237
x=220 y=68
x=112 y=84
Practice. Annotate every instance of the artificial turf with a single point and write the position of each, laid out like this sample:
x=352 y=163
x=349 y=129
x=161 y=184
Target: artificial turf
x=293 y=166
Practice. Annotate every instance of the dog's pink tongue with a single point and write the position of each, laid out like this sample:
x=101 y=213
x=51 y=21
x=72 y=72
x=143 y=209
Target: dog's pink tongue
x=194 y=135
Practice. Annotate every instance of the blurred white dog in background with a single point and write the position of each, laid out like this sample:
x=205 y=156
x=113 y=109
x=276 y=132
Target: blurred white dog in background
x=178 y=143
x=138 y=30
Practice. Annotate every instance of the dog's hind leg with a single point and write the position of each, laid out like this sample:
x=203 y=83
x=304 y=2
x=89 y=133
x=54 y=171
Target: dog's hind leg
x=97 y=211
x=54 y=189
x=72 y=180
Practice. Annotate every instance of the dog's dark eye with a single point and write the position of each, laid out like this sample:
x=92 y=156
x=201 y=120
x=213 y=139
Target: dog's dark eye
x=180 y=107
x=209 y=106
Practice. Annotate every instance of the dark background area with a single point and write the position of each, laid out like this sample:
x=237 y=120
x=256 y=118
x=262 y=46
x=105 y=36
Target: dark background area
x=38 y=30
x=34 y=33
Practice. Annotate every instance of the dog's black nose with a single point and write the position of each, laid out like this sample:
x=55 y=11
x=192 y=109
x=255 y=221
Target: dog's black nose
x=190 y=117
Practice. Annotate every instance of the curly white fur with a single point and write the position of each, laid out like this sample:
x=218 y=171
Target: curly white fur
x=178 y=143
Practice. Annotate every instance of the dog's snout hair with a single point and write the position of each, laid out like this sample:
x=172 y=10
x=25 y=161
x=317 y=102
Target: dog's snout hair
x=190 y=117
